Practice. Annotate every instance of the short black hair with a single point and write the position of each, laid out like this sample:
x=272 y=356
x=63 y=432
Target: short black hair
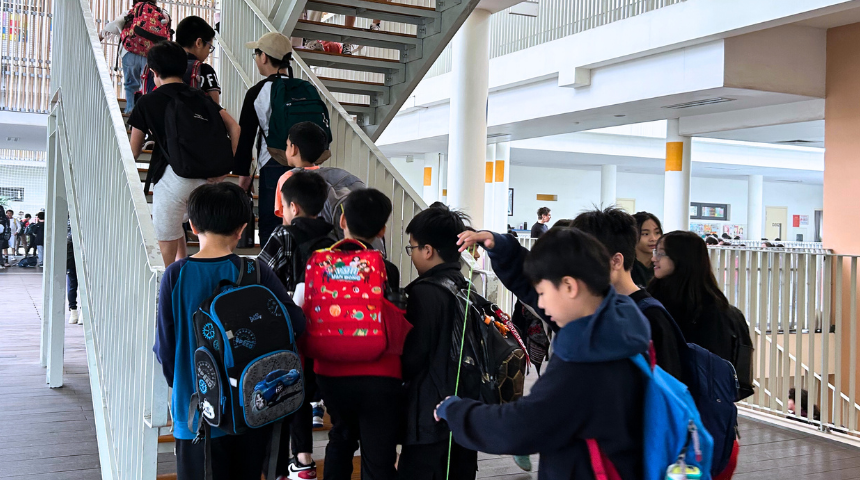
x=614 y=228
x=366 y=211
x=569 y=252
x=278 y=63
x=167 y=59
x=709 y=240
x=439 y=227
x=219 y=208
x=191 y=28
x=11 y=211
x=28 y=216
x=543 y=211
x=563 y=223
x=310 y=139
x=306 y=189
x=40 y=215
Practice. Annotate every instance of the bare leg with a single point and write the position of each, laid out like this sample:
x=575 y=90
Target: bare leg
x=169 y=250
x=181 y=249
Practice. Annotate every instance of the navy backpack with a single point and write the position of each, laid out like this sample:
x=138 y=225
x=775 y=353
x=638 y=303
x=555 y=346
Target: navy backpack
x=714 y=385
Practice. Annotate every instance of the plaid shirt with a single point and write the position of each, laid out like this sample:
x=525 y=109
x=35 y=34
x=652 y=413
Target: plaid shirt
x=278 y=255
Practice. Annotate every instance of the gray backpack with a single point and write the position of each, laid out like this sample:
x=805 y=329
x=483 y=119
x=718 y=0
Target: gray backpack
x=341 y=183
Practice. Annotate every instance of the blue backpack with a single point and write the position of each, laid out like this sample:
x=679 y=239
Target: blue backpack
x=714 y=386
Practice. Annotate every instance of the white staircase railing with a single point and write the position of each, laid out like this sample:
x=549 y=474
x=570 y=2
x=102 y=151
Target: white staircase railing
x=95 y=181
x=351 y=149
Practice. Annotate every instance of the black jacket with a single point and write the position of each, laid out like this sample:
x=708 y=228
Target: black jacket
x=590 y=390
x=539 y=229
x=427 y=365
x=707 y=326
x=507 y=257
x=641 y=274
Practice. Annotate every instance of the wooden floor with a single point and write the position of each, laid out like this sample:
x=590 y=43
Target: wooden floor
x=49 y=433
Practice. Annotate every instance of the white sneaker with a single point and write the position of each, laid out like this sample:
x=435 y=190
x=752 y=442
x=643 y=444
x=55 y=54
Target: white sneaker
x=375 y=27
x=74 y=317
x=318 y=413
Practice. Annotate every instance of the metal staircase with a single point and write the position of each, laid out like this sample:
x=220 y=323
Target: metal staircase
x=397 y=60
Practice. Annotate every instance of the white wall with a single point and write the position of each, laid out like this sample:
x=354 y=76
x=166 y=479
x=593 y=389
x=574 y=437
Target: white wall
x=32 y=180
x=579 y=190
x=412 y=171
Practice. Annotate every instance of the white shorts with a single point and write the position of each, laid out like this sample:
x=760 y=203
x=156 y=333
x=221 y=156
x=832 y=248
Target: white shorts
x=170 y=204
x=12 y=241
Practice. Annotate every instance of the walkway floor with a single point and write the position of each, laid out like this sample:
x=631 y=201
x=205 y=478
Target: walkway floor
x=49 y=433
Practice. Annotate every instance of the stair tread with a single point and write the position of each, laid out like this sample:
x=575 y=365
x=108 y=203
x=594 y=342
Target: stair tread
x=357 y=29
x=357 y=82
x=348 y=104
x=362 y=57
x=383 y=2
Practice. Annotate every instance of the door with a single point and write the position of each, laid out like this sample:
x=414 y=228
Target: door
x=776 y=223
x=626 y=204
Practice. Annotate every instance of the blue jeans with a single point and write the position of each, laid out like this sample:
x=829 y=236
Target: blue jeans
x=132 y=68
x=269 y=176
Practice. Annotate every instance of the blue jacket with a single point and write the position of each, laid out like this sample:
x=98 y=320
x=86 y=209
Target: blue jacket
x=185 y=285
x=589 y=390
x=507 y=257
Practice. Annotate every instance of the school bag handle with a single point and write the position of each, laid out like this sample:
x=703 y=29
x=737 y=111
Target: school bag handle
x=347 y=241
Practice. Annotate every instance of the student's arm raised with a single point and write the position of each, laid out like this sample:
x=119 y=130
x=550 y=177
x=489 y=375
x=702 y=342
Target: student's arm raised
x=507 y=257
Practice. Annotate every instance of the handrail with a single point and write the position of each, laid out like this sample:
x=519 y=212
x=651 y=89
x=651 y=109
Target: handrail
x=351 y=148
x=117 y=257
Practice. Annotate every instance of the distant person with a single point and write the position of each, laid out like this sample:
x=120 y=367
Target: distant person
x=72 y=279
x=650 y=230
x=38 y=235
x=540 y=227
x=711 y=241
x=791 y=405
x=5 y=237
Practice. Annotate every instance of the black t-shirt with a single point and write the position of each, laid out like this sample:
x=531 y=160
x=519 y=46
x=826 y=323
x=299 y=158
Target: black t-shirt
x=207 y=73
x=148 y=116
x=539 y=229
x=663 y=334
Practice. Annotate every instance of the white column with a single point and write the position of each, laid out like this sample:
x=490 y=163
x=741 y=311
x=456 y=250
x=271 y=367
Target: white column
x=443 y=179
x=501 y=182
x=755 y=200
x=608 y=185
x=467 y=139
x=432 y=191
x=676 y=190
x=54 y=294
x=489 y=191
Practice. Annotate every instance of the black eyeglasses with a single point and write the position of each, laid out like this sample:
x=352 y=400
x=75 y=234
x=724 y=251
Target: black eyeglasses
x=211 y=47
x=409 y=248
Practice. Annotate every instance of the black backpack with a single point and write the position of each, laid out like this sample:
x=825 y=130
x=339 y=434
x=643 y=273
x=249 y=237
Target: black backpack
x=742 y=351
x=196 y=141
x=494 y=359
x=247 y=369
x=306 y=248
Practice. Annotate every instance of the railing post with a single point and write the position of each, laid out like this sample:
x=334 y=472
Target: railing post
x=51 y=161
x=53 y=306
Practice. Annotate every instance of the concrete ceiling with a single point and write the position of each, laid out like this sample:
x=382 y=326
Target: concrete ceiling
x=806 y=134
x=23 y=131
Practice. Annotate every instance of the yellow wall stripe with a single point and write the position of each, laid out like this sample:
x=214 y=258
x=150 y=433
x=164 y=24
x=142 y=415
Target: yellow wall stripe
x=444 y=192
x=428 y=176
x=488 y=175
x=543 y=197
x=674 y=156
x=500 y=170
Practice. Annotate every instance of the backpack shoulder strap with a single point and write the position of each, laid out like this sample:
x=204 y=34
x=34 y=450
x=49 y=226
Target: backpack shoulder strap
x=443 y=283
x=195 y=74
x=249 y=274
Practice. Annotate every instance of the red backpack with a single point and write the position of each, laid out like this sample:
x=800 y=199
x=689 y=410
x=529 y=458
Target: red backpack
x=348 y=317
x=145 y=25
x=147 y=78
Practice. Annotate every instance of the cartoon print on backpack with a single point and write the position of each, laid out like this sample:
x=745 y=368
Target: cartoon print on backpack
x=244 y=338
x=272 y=390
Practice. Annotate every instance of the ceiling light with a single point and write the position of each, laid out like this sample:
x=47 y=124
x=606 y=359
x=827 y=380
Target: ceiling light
x=700 y=103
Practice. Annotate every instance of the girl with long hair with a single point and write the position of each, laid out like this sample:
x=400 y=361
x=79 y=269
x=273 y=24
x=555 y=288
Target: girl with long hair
x=650 y=231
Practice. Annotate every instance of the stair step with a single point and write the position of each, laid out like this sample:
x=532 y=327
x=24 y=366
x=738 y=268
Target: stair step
x=352 y=62
x=358 y=108
x=357 y=87
x=340 y=33
x=378 y=10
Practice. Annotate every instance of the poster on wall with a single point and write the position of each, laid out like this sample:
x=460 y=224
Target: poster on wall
x=800 y=220
x=710 y=211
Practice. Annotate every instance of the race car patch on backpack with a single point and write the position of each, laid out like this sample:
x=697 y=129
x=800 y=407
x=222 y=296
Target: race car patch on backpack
x=247 y=370
x=349 y=318
x=145 y=25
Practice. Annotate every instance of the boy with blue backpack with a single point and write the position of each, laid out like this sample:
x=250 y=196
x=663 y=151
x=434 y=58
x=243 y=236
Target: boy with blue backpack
x=217 y=215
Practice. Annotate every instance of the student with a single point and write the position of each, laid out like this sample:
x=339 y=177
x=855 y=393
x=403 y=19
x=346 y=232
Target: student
x=132 y=63
x=540 y=227
x=170 y=193
x=685 y=284
x=590 y=377
x=197 y=39
x=218 y=215
x=363 y=399
x=38 y=236
x=306 y=142
x=5 y=237
x=304 y=194
x=272 y=53
x=428 y=370
x=650 y=231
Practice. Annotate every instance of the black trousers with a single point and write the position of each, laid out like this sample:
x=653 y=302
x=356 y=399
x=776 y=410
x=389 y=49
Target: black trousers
x=430 y=462
x=269 y=176
x=297 y=433
x=363 y=410
x=234 y=457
